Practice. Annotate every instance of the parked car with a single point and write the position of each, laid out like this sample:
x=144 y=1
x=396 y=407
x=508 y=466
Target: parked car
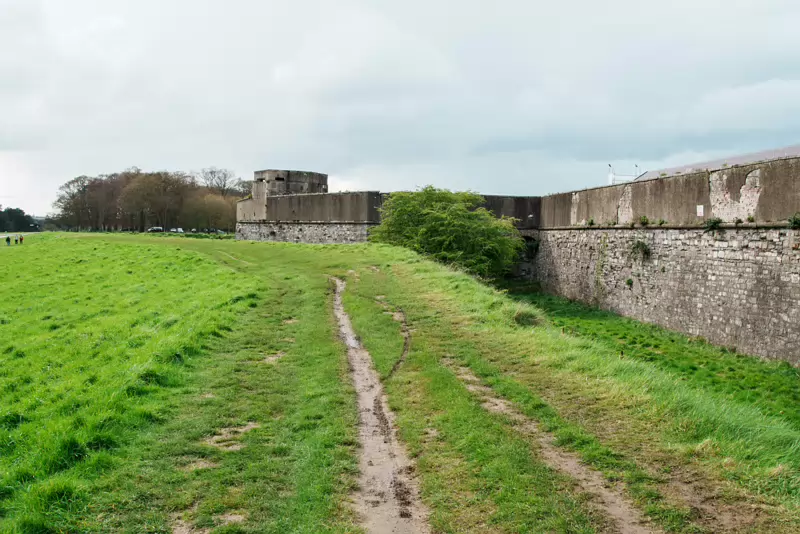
x=155 y=229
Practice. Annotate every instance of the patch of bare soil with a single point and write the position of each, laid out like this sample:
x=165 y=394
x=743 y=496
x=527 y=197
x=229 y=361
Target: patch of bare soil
x=388 y=497
x=398 y=315
x=200 y=464
x=231 y=518
x=208 y=396
x=227 y=439
x=610 y=498
x=179 y=526
x=231 y=256
x=290 y=321
x=713 y=510
x=272 y=358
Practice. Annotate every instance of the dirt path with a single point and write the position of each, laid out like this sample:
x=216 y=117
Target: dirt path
x=399 y=316
x=388 y=497
x=611 y=500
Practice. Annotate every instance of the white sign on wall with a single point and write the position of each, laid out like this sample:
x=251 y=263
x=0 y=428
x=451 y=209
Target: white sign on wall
x=700 y=210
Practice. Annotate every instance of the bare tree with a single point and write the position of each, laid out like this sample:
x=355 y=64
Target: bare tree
x=221 y=181
x=242 y=188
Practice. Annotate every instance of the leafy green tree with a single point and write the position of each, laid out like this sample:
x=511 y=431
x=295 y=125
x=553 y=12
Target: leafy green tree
x=16 y=220
x=452 y=228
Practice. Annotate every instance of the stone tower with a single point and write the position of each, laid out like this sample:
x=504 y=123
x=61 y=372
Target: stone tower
x=290 y=182
x=272 y=183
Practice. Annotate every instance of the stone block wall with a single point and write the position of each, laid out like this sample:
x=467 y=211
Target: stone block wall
x=303 y=232
x=739 y=287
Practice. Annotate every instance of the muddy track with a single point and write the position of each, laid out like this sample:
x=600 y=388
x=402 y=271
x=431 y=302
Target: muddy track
x=388 y=498
x=399 y=316
x=610 y=499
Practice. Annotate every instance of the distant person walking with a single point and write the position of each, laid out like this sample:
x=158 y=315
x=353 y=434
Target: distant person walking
x=16 y=240
x=8 y=241
x=21 y=238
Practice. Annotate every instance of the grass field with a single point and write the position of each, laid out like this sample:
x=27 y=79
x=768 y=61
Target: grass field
x=182 y=385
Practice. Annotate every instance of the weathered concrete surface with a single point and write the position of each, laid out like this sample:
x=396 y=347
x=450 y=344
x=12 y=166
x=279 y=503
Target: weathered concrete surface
x=280 y=182
x=359 y=207
x=739 y=288
x=767 y=192
x=303 y=232
x=525 y=209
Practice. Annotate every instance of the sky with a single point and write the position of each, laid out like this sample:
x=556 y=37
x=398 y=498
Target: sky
x=514 y=97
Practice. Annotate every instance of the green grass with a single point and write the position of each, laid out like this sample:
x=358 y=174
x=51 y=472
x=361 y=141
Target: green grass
x=631 y=419
x=110 y=343
x=772 y=387
x=121 y=355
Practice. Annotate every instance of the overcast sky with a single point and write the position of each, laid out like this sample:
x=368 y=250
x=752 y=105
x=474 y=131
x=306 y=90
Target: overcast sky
x=517 y=97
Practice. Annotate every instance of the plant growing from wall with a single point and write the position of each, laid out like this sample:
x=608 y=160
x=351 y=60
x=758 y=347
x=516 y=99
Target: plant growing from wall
x=712 y=225
x=590 y=222
x=794 y=221
x=751 y=219
x=643 y=220
x=662 y=222
x=629 y=283
x=640 y=250
x=737 y=221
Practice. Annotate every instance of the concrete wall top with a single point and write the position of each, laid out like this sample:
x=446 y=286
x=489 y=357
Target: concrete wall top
x=766 y=191
x=527 y=210
x=361 y=206
x=283 y=182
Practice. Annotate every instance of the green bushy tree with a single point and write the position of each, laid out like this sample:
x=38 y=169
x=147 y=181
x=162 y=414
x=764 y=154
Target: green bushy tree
x=452 y=228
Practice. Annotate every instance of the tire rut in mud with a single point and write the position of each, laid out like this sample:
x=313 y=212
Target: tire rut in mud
x=388 y=497
x=610 y=499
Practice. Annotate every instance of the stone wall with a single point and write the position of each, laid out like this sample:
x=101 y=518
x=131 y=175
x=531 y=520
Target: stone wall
x=739 y=287
x=305 y=232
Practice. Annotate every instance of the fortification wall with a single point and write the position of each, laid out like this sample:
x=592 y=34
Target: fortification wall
x=360 y=206
x=304 y=232
x=767 y=192
x=525 y=209
x=739 y=287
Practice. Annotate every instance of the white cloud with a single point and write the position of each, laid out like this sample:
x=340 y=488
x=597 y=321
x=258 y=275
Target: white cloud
x=507 y=97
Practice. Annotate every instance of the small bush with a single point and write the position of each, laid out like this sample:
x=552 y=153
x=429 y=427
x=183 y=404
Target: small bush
x=629 y=283
x=662 y=222
x=590 y=222
x=751 y=219
x=452 y=228
x=712 y=224
x=794 y=221
x=643 y=220
x=737 y=221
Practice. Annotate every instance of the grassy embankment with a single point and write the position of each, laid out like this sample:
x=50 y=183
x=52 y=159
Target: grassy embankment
x=694 y=452
x=124 y=355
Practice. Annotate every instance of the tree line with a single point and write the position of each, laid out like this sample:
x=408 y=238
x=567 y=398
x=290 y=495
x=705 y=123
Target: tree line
x=134 y=200
x=16 y=220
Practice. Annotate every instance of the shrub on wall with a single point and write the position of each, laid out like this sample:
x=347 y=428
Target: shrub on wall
x=452 y=228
